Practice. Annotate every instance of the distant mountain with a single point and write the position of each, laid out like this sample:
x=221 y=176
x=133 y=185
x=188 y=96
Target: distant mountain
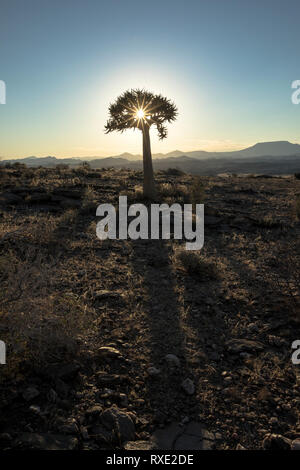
x=275 y=149
x=261 y=149
x=265 y=157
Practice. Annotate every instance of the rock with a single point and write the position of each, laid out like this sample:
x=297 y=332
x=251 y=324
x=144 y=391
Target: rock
x=164 y=438
x=84 y=433
x=273 y=420
x=36 y=441
x=70 y=427
x=188 y=386
x=100 y=434
x=172 y=360
x=52 y=395
x=109 y=379
x=276 y=442
x=35 y=409
x=139 y=445
x=123 y=400
x=93 y=412
x=192 y=436
x=228 y=379
x=295 y=444
x=104 y=294
x=243 y=345
x=120 y=422
x=153 y=371
x=108 y=352
x=159 y=417
x=30 y=393
x=240 y=447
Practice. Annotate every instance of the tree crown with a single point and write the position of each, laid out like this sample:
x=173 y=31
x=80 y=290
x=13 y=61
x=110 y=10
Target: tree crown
x=139 y=108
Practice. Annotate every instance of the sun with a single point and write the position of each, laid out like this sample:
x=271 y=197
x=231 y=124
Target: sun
x=140 y=114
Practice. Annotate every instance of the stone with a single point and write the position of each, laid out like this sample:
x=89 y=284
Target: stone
x=188 y=386
x=52 y=395
x=104 y=294
x=139 y=445
x=35 y=409
x=240 y=447
x=123 y=400
x=70 y=427
x=120 y=422
x=153 y=371
x=101 y=434
x=108 y=352
x=295 y=444
x=164 y=438
x=172 y=360
x=243 y=345
x=36 y=441
x=30 y=393
x=276 y=442
x=94 y=411
x=192 y=436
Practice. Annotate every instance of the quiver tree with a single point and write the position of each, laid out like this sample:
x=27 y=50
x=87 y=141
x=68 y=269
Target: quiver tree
x=140 y=109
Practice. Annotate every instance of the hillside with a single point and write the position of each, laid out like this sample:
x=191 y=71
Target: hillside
x=264 y=158
x=138 y=344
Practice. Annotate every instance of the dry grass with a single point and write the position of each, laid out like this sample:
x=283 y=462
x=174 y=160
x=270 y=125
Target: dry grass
x=199 y=265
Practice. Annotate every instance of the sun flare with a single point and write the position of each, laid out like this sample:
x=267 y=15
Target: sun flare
x=140 y=114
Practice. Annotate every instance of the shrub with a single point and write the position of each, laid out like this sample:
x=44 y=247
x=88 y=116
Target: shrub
x=173 y=172
x=197 y=194
x=38 y=325
x=297 y=176
x=62 y=166
x=198 y=264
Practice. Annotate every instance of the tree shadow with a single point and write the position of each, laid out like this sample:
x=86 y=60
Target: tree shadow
x=168 y=330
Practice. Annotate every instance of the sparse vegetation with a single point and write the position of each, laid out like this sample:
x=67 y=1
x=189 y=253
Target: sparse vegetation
x=229 y=312
x=195 y=263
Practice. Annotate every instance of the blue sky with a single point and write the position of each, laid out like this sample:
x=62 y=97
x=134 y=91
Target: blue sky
x=228 y=65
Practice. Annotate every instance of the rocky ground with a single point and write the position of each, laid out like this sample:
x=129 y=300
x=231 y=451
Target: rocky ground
x=130 y=344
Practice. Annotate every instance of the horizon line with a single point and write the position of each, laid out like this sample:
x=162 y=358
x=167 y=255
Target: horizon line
x=140 y=155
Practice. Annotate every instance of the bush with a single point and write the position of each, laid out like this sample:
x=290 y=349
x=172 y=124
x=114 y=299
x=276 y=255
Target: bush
x=197 y=194
x=173 y=172
x=197 y=264
x=38 y=325
x=62 y=166
x=297 y=176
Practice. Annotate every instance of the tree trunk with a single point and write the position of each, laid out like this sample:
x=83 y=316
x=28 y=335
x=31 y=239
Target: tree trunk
x=149 y=186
